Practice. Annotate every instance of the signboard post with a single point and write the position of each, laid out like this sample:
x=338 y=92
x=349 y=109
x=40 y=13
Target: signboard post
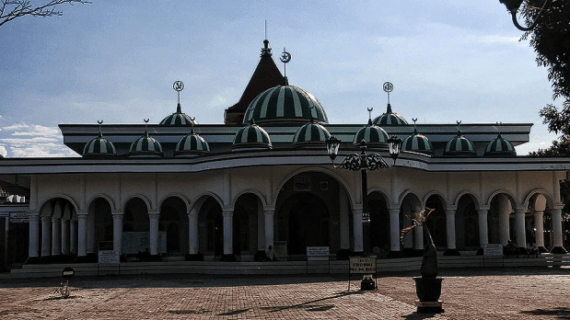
x=493 y=250
x=318 y=253
x=362 y=265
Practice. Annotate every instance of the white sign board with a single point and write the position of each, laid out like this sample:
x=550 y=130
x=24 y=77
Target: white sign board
x=363 y=265
x=493 y=250
x=19 y=217
x=109 y=257
x=318 y=253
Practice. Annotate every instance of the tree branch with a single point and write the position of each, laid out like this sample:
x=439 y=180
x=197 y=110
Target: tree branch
x=12 y=9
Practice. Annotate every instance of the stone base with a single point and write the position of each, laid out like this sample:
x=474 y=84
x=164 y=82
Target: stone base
x=228 y=258
x=559 y=250
x=429 y=306
x=451 y=252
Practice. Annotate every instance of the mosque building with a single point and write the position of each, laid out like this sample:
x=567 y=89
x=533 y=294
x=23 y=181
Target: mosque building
x=181 y=190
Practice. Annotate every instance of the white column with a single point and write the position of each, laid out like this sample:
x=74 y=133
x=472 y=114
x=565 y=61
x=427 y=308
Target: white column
x=520 y=228
x=419 y=237
x=269 y=216
x=556 y=215
x=153 y=219
x=228 y=232
x=82 y=234
x=118 y=231
x=450 y=229
x=91 y=232
x=34 y=235
x=395 y=229
x=46 y=236
x=357 y=229
x=504 y=214
x=344 y=221
x=55 y=236
x=483 y=228
x=193 y=242
x=73 y=236
x=65 y=236
x=539 y=225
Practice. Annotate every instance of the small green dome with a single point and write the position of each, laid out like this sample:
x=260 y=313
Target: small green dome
x=251 y=137
x=460 y=146
x=373 y=135
x=178 y=119
x=390 y=119
x=500 y=147
x=284 y=104
x=417 y=142
x=99 y=147
x=145 y=147
x=311 y=135
x=191 y=146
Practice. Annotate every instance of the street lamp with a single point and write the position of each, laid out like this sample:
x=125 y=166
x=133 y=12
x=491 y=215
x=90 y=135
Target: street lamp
x=513 y=7
x=363 y=162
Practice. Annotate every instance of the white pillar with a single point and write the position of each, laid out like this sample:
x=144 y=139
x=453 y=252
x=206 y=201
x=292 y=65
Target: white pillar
x=228 y=232
x=450 y=229
x=55 y=236
x=194 y=246
x=73 y=236
x=504 y=214
x=357 y=229
x=118 y=232
x=395 y=229
x=520 y=228
x=46 y=236
x=556 y=215
x=483 y=228
x=82 y=234
x=269 y=216
x=539 y=225
x=65 y=240
x=34 y=235
x=153 y=219
x=419 y=237
x=344 y=221
x=91 y=232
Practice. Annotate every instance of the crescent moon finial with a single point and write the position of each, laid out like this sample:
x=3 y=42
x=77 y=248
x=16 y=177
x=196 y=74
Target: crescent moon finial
x=100 y=122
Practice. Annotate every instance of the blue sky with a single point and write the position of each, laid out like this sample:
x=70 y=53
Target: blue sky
x=449 y=60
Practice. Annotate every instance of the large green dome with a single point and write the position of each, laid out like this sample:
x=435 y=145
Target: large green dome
x=285 y=104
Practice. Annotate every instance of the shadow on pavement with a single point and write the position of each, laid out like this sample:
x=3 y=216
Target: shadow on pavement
x=562 y=313
x=311 y=305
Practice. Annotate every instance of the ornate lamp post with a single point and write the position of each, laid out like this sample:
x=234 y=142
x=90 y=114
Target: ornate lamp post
x=363 y=162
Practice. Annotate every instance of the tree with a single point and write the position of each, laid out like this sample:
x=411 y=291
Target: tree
x=550 y=37
x=12 y=9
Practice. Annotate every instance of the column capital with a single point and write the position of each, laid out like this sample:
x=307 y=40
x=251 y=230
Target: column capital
x=520 y=210
x=394 y=210
x=482 y=212
x=82 y=213
x=153 y=214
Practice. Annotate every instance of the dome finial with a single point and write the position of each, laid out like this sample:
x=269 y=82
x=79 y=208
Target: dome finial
x=415 y=129
x=388 y=87
x=100 y=122
x=369 y=116
x=458 y=127
x=178 y=86
x=285 y=58
x=266 y=50
x=146 y=126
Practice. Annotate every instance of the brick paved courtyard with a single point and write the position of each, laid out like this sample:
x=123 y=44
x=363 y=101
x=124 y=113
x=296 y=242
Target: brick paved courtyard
x=532 y=293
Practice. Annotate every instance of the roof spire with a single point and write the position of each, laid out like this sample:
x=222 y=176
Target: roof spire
x=266 y=50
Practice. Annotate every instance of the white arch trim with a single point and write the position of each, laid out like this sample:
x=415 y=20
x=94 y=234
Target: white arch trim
x=505 y=192
x=199 y=200
x=59 y=195
x=543 y=192
x=175 y=195
x=438 y=194
x=106 y=197
x=258 y=194
x=470 y=194
x=140 y=196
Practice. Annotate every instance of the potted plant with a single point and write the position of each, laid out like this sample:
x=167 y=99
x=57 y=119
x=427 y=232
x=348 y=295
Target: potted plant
x=428 y=286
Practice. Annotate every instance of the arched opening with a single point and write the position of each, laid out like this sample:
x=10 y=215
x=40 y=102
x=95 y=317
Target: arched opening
x=467 y=224
x=173 y=224
x=437 y=222
x=100 y=226
x=500 y=220
x=57 y=232
x=413 y=242
x=211 y=228
x=379 y=225
x=136 y=228
x=308 y=208
x=245 y=226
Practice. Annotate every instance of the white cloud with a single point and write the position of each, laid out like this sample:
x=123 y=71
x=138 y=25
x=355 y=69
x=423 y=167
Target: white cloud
x=30 y=140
